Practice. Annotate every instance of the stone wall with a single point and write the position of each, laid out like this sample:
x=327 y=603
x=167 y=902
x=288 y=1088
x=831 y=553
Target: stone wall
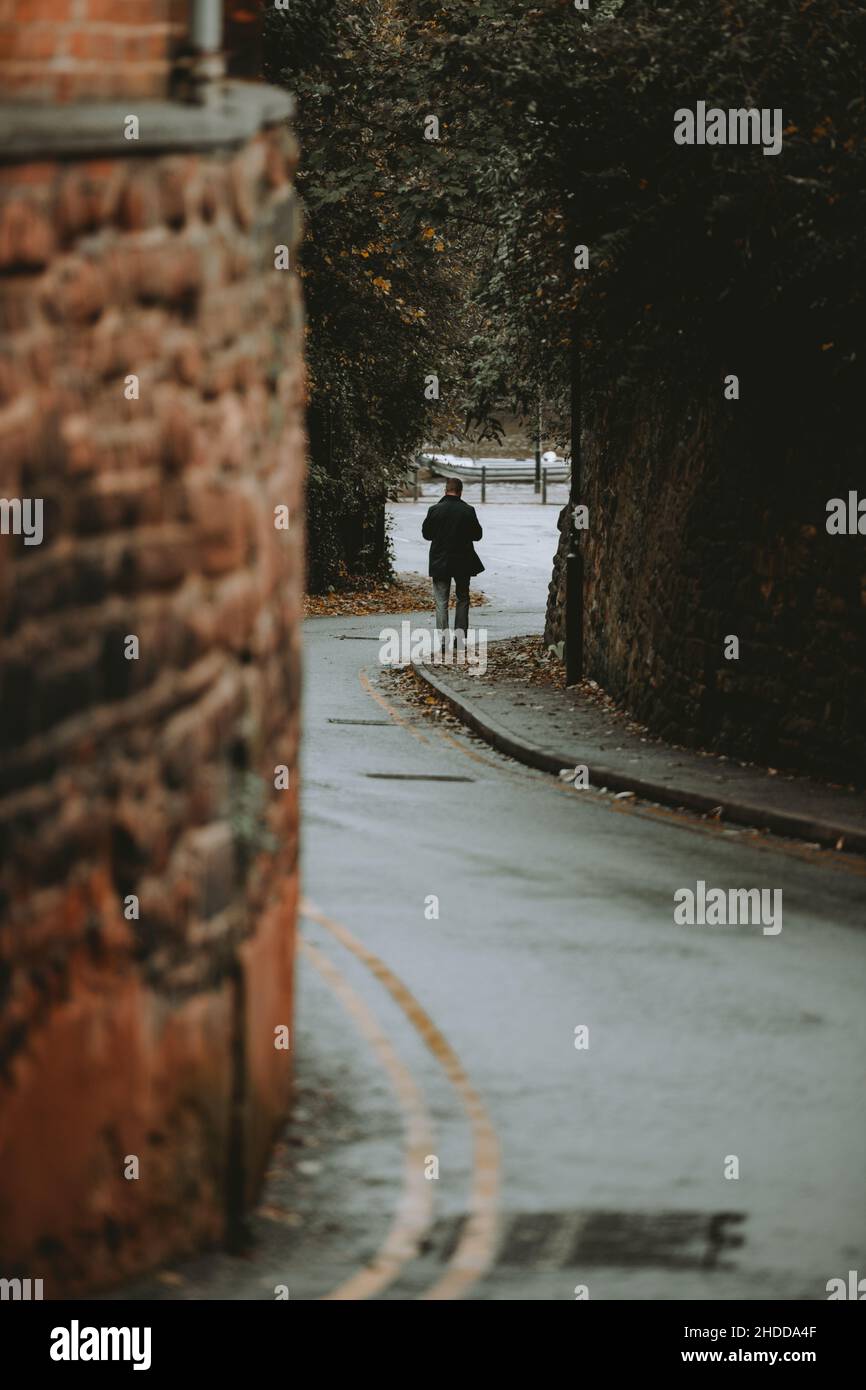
x=709 y=520
x=151 y=392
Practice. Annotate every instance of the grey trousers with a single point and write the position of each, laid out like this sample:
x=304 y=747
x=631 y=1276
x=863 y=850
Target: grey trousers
x=441 y=592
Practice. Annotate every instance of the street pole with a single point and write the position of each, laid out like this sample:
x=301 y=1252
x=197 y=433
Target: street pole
x=574 y=559
x=538 y=444
x=206 y=37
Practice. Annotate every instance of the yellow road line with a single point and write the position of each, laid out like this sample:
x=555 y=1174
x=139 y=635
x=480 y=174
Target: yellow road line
x=476 y=1248
x=389 y=708
x=415 y=1209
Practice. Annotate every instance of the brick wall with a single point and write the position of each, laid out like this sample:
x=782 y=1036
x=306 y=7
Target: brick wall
x=708 y=520
x=151 y=777
x=68 y=50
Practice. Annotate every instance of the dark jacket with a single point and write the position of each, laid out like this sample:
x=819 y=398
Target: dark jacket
x=451 y=525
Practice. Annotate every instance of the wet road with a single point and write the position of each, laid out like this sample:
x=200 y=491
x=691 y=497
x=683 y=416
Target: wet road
x=445 y=1043
x=452 y=1037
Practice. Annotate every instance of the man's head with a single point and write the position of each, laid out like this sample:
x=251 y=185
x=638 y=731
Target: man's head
x=454 y=487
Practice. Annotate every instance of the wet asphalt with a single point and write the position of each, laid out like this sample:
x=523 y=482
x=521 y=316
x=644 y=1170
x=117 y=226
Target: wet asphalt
x=448 y=1033
x=711 y=1049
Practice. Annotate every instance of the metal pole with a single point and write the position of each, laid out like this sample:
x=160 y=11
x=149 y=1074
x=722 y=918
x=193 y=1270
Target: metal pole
x=205 y=36
x=484 y=482
x=206 y=23
x=574 y=559
x=538 y=444
x=415 y=487
x=544 y=487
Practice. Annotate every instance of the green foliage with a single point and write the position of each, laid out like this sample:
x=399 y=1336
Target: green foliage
x=556 y=127
x=382 y=282
x=700 y=257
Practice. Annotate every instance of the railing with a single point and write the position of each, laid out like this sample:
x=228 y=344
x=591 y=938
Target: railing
x=491 y=471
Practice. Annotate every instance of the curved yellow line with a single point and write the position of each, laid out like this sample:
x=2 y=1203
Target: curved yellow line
x=415 y=1209
x=476 y=1248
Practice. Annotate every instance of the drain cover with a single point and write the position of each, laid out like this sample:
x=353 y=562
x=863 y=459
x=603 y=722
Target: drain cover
x=379 y=723
x=416 y=777
x=636 y=1239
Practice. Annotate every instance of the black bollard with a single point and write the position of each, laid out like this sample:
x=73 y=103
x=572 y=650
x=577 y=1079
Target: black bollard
x=573 y=615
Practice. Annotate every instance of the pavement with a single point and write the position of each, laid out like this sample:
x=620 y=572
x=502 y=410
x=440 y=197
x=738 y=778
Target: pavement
x=518 y=1079
x=559 y=729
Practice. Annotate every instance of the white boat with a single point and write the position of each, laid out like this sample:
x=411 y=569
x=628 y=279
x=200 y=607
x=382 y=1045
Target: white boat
x=496 y=470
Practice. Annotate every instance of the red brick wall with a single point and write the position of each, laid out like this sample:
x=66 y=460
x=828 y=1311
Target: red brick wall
x=68 y=50
x=152 y=777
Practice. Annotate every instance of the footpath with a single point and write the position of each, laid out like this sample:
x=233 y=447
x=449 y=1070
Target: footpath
x=554 y=730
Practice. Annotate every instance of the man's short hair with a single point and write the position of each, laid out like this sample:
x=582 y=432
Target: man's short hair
x=454 y=485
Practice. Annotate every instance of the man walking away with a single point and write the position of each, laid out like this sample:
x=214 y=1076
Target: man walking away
x=451 y=526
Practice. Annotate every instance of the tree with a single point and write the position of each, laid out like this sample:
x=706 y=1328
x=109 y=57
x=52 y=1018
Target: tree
x=556 y=127
x=693 y=252
x=383 y=280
